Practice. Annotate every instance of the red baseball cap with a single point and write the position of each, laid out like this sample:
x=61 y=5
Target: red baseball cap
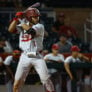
x=75 y=48
x=55 y=46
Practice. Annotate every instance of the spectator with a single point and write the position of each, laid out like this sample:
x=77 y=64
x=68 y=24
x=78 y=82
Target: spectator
x=5 y=46
x=64 y=44
x=59 y=22
x=64 y=27
x=52 y=58
x=75 y=57
x=69 y=31
x=67 y=28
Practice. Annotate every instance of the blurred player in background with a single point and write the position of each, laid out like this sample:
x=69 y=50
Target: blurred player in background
x=9 y=67
x=55 y=57
x=31 y=39
x=11 y=63
x=76 y=56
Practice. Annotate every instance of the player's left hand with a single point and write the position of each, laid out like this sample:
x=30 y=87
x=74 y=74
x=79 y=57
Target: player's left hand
x=80 y=55
x=19 y=15
x=71 y=77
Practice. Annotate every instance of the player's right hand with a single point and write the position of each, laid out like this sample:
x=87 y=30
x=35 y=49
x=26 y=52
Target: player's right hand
x=71 y=77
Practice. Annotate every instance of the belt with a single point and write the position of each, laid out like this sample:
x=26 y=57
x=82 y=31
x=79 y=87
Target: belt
x=38 y=55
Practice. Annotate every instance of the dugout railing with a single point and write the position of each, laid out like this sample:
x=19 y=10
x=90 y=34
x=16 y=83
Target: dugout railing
x=33 y=79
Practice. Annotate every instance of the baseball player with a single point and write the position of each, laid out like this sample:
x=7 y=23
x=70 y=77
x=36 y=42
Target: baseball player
x=55 y=57
x=9 y=67
x=11 y=63
x=31 y=39
x=76 y=56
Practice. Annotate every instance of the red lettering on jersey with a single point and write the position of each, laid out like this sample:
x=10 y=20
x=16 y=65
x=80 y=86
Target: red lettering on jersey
x=26 y=37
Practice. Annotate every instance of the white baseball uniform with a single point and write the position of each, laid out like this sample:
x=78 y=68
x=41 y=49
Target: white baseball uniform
x=9 y=83
x=7 y=62
x=58 y=57
x=71 y=59
x=32 y=46
x=57 y=80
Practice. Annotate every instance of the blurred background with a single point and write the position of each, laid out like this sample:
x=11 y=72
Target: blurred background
x=64 y=20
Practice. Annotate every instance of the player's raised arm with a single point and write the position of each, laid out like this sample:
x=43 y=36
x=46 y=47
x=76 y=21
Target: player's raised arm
x=15 y=21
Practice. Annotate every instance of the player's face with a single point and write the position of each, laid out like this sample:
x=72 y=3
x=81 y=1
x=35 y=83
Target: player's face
x=35 y=19
x=55 y=51
x=75 y=53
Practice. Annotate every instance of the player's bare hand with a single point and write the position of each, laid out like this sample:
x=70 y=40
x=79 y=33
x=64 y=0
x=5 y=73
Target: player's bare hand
x=80 y=55
x=71 y=77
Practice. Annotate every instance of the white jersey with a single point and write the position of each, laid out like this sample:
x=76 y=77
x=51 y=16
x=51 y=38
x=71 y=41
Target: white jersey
x=50 y=56
x=71 y=59
x=59 y=57
x=26 y=43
